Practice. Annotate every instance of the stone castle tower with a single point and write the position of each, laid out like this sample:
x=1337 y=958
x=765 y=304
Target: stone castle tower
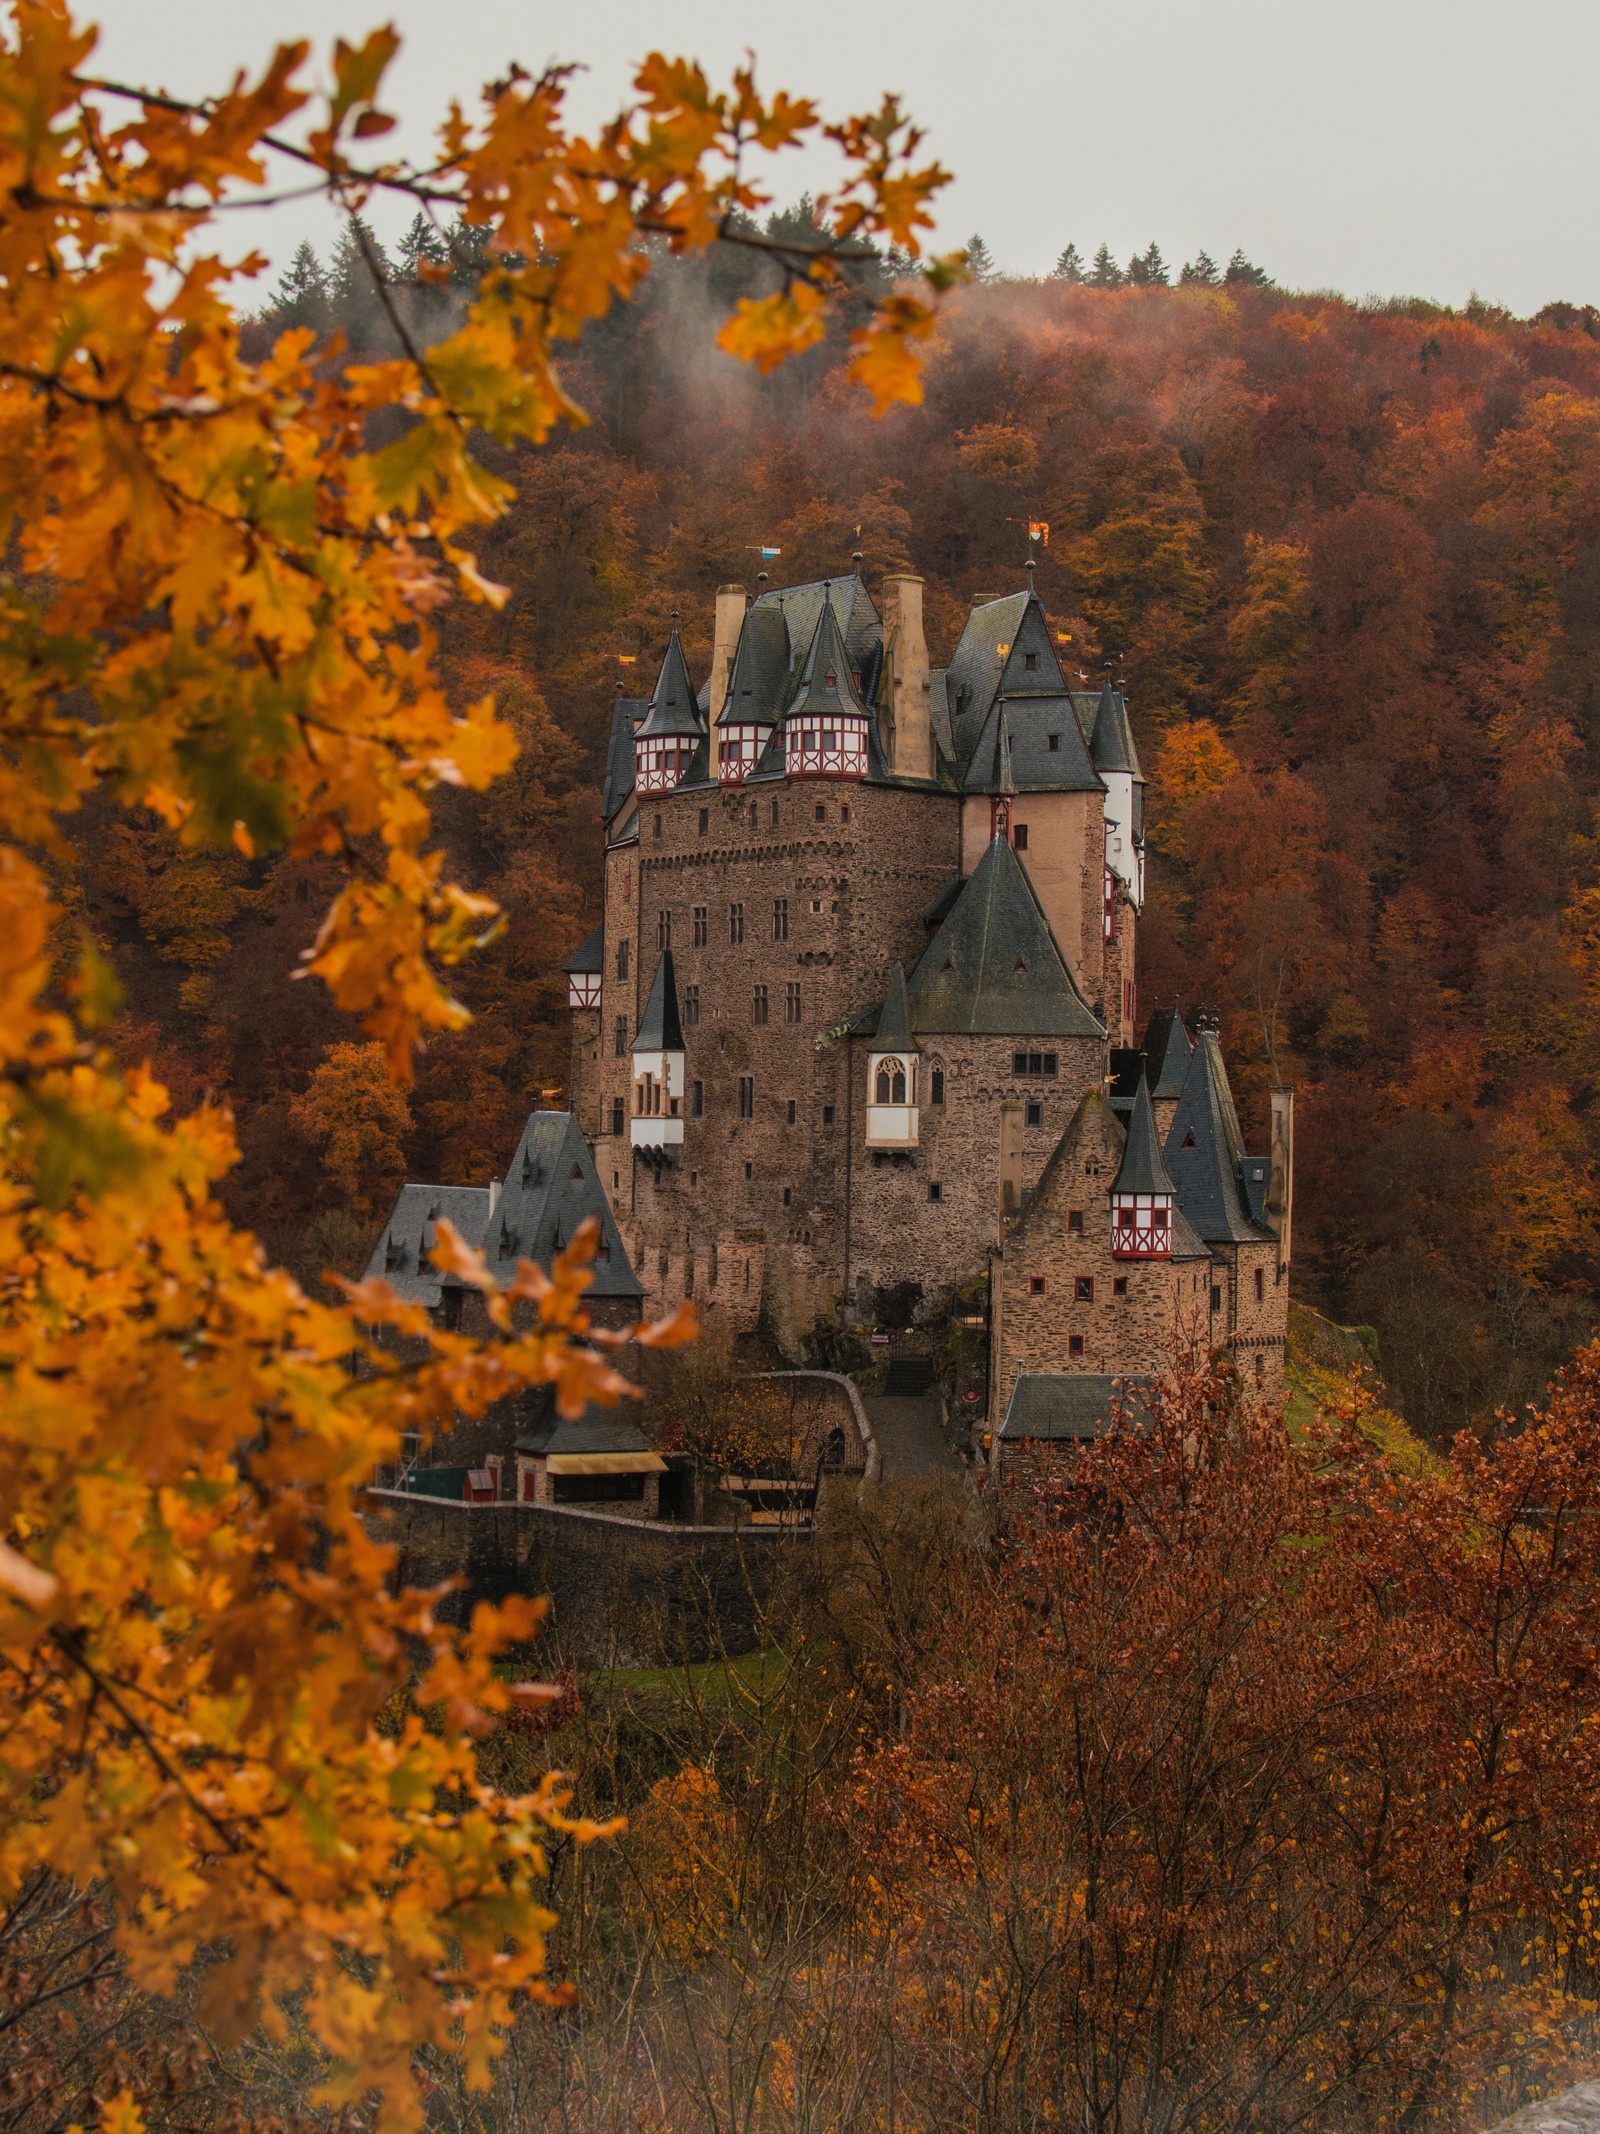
x=859 y=1019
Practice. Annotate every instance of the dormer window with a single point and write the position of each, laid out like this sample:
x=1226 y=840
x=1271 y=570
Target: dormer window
x=1141 y=1226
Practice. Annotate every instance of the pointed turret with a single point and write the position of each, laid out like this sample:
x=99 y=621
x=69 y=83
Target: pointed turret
x=672 y=729
x=658 y=1066
x=1116 y=759
x=758 y=682
x=892 y=1110
x=1205 y=1152
x=1142 y=1194
x=827 y=724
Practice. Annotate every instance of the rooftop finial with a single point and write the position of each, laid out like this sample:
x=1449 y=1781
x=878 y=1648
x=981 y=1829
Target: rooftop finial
x=761 y=577
x=1030 y=567
x=857 y=558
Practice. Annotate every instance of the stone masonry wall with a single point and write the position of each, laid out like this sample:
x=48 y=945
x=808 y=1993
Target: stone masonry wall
x=621 y=1590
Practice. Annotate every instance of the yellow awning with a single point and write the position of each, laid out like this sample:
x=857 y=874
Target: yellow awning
x=606 y=1463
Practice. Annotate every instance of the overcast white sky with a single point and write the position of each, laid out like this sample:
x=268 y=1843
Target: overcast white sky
x=1388 y=146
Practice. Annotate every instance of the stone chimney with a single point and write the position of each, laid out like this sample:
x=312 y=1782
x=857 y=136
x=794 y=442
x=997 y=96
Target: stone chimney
x=731 y=604
x=1280 y=1176
x=908 y=743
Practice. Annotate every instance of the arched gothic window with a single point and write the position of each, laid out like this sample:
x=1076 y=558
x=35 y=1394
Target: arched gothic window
x=891 y=1082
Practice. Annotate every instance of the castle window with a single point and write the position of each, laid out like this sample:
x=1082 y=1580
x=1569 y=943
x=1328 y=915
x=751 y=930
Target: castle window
x=816 y=903
x=1083 y=1288
x=758 y=1004
x=617 y=1121
x=1075 y=1220
x=844 y=812
x=755 y=815
x=791 y=1002
x=747 y=1097
x=1053 y=743
x=691 y=1006
x=936 y=1086
x=657 y=830
x=749 y=1172
x=451 y=1310
x=935 y=1190
x=822 y=813
x=1119 y=1285
x=1019 y=837
x=827 y=1115
x=622 y=959
x=735 y=924
x=891 y=1084
x=705 y=821
x=663 y=929
x=1189 y=1141
x=780 y=918
x=1261 y=1285
x=794 y=1112
x=774 y=815
x=1030 y=662
x=1035 y=1065
x=1261 y=1367
x=788 y=1196
x=697 y=1103
x=1035 y=1112
x=702 y=926
x=1074 y=1344
x=621 y=1037
x=1216 y=1298
x=1036 y=1286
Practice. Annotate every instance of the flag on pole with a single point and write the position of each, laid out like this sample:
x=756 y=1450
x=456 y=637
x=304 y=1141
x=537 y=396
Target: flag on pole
x=1039 y=530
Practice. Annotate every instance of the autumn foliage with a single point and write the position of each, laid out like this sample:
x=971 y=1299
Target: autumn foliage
x=218 y=638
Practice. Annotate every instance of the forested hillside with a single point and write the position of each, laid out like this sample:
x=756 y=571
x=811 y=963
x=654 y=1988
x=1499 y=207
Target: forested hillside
x=1348 y=562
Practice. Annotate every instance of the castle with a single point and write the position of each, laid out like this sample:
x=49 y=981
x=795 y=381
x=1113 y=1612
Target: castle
x=855 y=1042
x=857 y=1029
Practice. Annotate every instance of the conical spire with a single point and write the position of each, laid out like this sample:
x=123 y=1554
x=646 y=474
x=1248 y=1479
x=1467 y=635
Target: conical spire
x=673 y=709
x=1111 y=744
x=1205 y=1151
x=1142 y=1170
x=827 y=681
x=894 y=1017
x=1004 y=778
x=660 y=1028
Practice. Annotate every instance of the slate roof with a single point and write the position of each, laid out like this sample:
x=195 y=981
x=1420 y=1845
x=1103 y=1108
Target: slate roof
x=408 y=1236
x=1070 y=1404
x=673 y=707
x=660 y=1029
x=827 y=687
x=972 y=679
x=1032 y=723
x=993 y=967
x=1167 y=1049
x=894 y=1017
x=596 y=1430
x=1142 y=1170
x=626 y=714
x=859 y=623
x=759 y=681
x=588 y=960
x=550 y=1188
x=1111 y=744
x=1205 y=1152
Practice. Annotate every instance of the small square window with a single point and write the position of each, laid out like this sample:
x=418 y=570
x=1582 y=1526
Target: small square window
x=1075 y=1220
x=1119 y=1285
x=1036 y=1285
x=844 y=812
x=1053 y=743
x=1074 y=1344
x=1083 y=1288
x=794 y=1111
x=816 y=903
x=936 y=1086
x=1030 y=662
x=827 y=1115
x=936 y=1190
x=822 y=813
x=705 y=821
x=788 y=1196
x=1035 y=1112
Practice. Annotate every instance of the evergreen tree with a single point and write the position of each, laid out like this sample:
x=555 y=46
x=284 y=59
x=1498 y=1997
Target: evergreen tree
x=980 y=260
x=1105 y=274
x=301 y=297
x=421 y=245
x=1069 y=267
x=1242 y=271
x=1201 y=272
x=469 y=254
x=1148 y=270
x=350 y=271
